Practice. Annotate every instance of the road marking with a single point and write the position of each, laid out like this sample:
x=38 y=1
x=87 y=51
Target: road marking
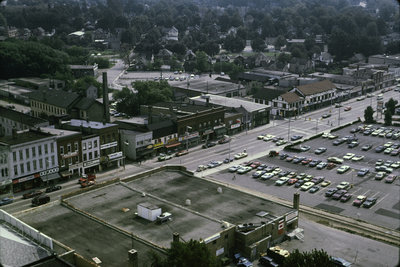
x=382 y=198
x=374 y=195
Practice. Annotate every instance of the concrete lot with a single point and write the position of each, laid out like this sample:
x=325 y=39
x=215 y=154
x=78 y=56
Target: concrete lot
x=384 y=213
x=87 y=237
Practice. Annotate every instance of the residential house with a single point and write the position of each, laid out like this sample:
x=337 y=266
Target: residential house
x=171 y=34
x=287 y=104
x=164 y=54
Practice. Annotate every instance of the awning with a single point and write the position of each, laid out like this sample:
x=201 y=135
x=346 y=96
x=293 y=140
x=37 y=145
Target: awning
x=50 y=177
x=65 y=174
x=172 y=145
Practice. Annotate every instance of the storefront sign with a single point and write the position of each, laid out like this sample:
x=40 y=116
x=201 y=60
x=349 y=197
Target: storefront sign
x=236 y=125
x=91 y=163
x=115 y=155
x=281 y=227
x=158 y=145
x=108 y=145
x=190 y=136
x=26 y=178
x=49 y=171
x=208 y=132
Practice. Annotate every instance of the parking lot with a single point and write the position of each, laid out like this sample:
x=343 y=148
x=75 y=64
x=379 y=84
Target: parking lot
x=384 y=212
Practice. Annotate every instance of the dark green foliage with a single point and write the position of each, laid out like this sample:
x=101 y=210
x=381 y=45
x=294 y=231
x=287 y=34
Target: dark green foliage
x=81 y=85
x=258 y=44
x=388 y=118
x=369 y=115
x=19 y=59
x=391 y=105
x=192 y=253
x=234 y=44
x=315 y=258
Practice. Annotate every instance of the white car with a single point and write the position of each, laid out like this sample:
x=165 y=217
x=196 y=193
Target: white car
x=282 y=181
x=234 y=168
x=357 y=158
x=307 y=186
x=268 y=137
x=343 y=185
x=240 y=155
x=349 y=156
x=244 y=170
x=267 y=176
x=343 y=169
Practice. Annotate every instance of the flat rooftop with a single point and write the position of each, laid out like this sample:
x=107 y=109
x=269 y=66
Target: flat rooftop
x=208 y=86
x=168 y=189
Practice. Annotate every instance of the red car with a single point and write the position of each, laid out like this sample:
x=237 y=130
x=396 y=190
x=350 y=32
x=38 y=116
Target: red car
x=255 y=164
x=306 y=161
x=330 y=166
x=345 y=197
x=292 y=181
x=347 y=108
x=359 y=200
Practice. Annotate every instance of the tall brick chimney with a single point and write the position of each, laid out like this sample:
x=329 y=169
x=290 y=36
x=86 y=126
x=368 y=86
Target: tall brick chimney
x=106 y=108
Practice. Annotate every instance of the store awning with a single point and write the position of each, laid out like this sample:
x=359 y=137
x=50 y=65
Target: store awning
x=172 y=145
x=65 y=174
x=50 y=177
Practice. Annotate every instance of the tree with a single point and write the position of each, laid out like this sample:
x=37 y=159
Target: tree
x=82 y=84
x=127 y=101
x=258 y=44
x=280 y=41
x=391 y=105
x=202 y=63
x=388 y=118
x=234 y=44
x=192 y=253
x=315 y=258
x=369 y=115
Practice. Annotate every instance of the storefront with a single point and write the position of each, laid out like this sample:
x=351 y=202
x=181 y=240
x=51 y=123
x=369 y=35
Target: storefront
x=91 y=166
x=190 y=140
x=27 y=182
x=144 y=152
x=158 y=148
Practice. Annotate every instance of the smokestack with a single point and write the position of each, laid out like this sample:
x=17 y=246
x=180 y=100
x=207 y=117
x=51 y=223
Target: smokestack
x=106 y=108
x=296 y=201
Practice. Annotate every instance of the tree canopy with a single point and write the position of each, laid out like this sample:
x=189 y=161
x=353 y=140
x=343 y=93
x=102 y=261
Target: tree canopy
x=315 y=258
x=369 y=115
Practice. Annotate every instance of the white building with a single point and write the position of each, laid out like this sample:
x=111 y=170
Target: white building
x=32 y=158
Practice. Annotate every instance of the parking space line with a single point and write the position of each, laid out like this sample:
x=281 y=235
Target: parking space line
x=364 y=194
x=382 y=198
x=358 y=189
x=374 y=195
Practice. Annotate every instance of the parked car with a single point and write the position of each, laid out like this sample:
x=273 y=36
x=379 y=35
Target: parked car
x=347 y=108
x=345 y=197
x=6 y=201
x=282 y=181
x=379 y=149
x=357 y=158
x=307 y=186
x=244 y=170
x=330 y=192
x=40 y=200
x=348 y=156
x=201 y=168
x=359 y=200
x=304 y=148
x=32 y=194
x=366 y=147
x=208 y=144
x=362 y=172
x=163 y=157
x=314 y=163
x=390 y=179
x=335 y=160
x=340 y=262
x=296 y=137
x=353 y=144
x=314 y=189
x=326 y=115
x=369 y=202
x=343 y=169
x=53 y=188
x=380 y=175
x=338 y=194
x=320 y=150
x=321 y=165
x=325 y=183
x=330 y=166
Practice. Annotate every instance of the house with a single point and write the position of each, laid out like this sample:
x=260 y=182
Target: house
x=287 y=104
x=164 y=54
x=171 y=34
x=266 y=95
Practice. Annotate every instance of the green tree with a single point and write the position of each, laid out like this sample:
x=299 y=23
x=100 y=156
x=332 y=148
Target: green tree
x=127 y=101
x=82 y=84
x=258 y=44
x=369 y=115
x=315 y=258
x=280 y=41
x=202 y=63
x=388 y=118
x=192 y=253
x=234 y=44
x=391 y=105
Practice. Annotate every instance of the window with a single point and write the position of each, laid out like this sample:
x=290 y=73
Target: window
x=90 y=145
x=14 y=156
x=22 y=168
x=53 y=162
x=90 y=155
x=28 y=166
x=62 y=163
x=84 y=146
x=33 y=151
x=34 y=165
x=15 y=170
x=52 y=147
x=76 y=146
x=84 y=157
x=27 y=153
x=61 y=150
x=21 y=156
x=96 y=154
x=41 y=164
x=40 y=150
x=95 y=143
x=70 y=161
x=46 y=148
x=69 y=148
